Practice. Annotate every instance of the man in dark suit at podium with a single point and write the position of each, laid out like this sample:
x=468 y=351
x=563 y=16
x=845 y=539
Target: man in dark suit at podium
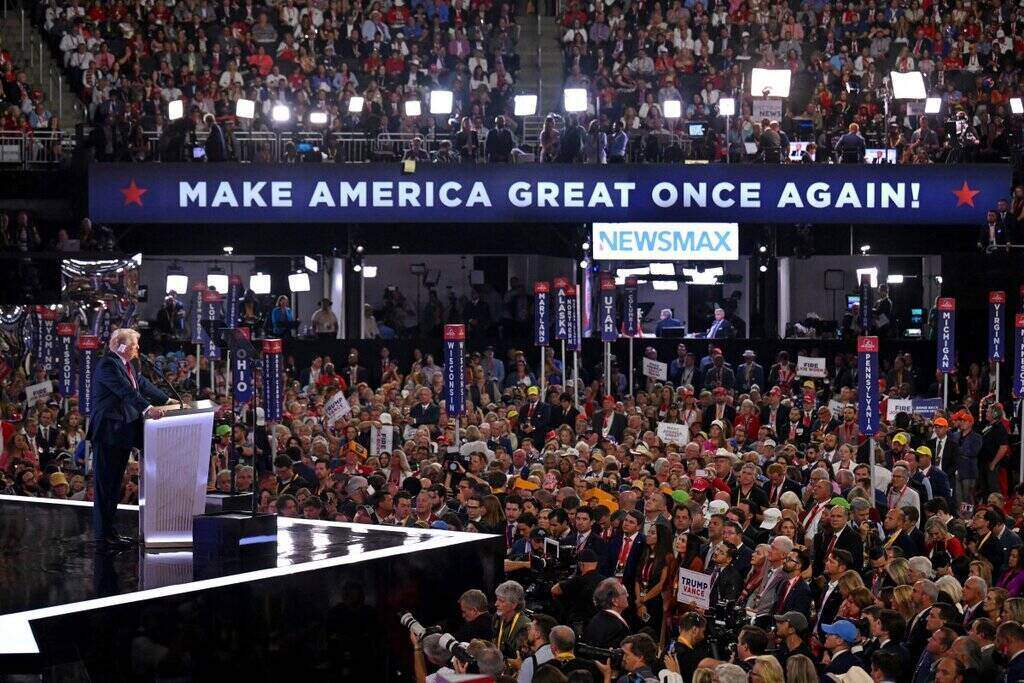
x=121 y=397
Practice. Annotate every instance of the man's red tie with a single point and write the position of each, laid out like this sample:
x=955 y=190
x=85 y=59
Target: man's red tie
x=131 y=375
x=627 y=544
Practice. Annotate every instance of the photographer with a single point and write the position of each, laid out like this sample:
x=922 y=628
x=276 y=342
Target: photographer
x=639 y=654
x=751 y=642
x=576 y=594
x=689 y=647
x=510 y=619
x=563 y=643
x=476 y=618
x=435 y=653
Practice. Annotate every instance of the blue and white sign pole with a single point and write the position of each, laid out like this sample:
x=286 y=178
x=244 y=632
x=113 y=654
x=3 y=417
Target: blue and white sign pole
x=1018 y=376
x=572 y=300
x=609 y=328
x=945 y=347
x=630 y=296
x=455 y=375
x=561 y=318
x=996 y=348
x=868 y=395
x=541 y=325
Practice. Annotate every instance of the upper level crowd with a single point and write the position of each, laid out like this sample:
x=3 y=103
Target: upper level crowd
x=359 y=64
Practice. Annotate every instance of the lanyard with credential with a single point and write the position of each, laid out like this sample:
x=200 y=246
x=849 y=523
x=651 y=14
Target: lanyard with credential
x=501 y=629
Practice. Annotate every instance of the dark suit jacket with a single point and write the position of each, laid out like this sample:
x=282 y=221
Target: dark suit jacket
x=604 y=630
x=787 y=485
x=117 y=406
x=917 y=634
x=216 y=148
x=1015 y=670
x=725 y=330
x=841 y=664
x=617 y=428
x=756 y=377
x=425 y=416
x=848 y=540
x=728 y=586
x=728 y=414
x=594 y=542
x=540 y=417
x=611 y=557
x=798 y=599
x=829 y=610
x=950 y=454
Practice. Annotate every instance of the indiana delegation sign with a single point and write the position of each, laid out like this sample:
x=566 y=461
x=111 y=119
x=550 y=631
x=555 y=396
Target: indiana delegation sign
x=487 y=193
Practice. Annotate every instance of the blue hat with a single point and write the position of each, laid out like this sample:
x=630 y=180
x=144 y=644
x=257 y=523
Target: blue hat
x=440 y=524
x=842 y=628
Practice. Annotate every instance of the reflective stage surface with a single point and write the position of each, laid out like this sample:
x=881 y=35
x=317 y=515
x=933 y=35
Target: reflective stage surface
x=328 y=596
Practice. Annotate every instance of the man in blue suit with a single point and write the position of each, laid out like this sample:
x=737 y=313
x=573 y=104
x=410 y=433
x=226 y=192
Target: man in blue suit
x=121 y=397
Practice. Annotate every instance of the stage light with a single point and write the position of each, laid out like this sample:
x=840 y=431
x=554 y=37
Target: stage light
x=763 y=268
x=585 y=246
x=933 y=105
x=217 y=281
x=357 y=267
x=360 y=249
x=245 y=109
x=908 y=85
x=1016 y=105
x=413 y=108
x=369 y=271
x=663 y=269
x=281 y=113
x=894 y=279
x=177 y=283
x=229 y=250
x=311 y=264
x=762 y=249
x=137 y=259
x=672 y=109
x=574 y=100
x=259 y=283
x=355 y=105
x=865 y=248
x=318 y=118
x=584 y=263
x=665 y=285
x=727 y=106
x=703 y=277
x=525 y=105
x=770 y=82
x=441 y=101
x=938 y=279
x=872 y=274
x=298 y=282
x=175 y=110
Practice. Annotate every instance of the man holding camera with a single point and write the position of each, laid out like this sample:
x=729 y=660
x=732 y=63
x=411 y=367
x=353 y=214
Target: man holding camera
x=563 y=643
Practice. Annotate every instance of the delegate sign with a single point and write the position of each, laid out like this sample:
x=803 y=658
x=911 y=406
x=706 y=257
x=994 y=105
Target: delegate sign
x=488 y=193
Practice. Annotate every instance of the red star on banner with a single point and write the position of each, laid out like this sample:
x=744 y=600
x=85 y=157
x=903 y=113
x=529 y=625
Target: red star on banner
x=133 y=193
x=965 y=195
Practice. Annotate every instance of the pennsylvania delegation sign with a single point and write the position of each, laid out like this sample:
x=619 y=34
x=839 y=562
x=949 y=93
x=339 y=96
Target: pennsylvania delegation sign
x=484 y=193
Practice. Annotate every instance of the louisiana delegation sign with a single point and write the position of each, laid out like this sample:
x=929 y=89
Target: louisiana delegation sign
x=486 y=193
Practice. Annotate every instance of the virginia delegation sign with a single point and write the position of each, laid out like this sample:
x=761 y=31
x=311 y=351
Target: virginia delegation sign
x=488 y=193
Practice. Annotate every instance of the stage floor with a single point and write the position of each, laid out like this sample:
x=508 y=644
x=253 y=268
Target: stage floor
x=48 y=557
x=53 y=580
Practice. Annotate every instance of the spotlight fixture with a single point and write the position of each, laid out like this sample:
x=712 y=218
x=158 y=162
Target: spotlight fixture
x=907 y=85
x=357 y=267
x=413 y=108
x=763 y=268
x=369 y=271
x=245 y=109
x=525 y=105
x=441 y=101
x=355 y=105
x=672 y=109
x=865 y=248
x=298 y=282
x=763 y=249
x=574 y=100
x=259 y=283
x=584 y=263
x=1016 y=105
x=281 y=113
x=318 y=118
x=933 y=105
x=229 y=250
x=727 y=106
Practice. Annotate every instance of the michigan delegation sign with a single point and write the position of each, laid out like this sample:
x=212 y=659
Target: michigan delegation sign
x=488 y=193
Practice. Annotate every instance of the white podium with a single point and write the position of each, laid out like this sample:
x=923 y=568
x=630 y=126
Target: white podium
x=175 y=466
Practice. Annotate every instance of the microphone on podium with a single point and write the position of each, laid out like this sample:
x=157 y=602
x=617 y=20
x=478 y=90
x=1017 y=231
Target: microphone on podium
x=159 y=374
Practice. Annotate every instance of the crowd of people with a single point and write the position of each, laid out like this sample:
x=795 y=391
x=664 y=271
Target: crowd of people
x=892 y=557
x=360 y=64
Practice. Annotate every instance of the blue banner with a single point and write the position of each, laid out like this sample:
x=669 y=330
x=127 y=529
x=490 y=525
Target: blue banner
x=213 y=311
x=541 y=314
x=1018 y=355
x=454 y=369
x=273 y=386
x=573 y=338
x=945 y=347
x=609 y=326
x=926 y=407
x=66 y=358
x=561 y=309
x=241 y=373
x=491 y=193
x=867 y=394
x=233 y=302
x=196 y=314
x=996 y=308
x=88 y=348
x=47 y=354
x=630 y=296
